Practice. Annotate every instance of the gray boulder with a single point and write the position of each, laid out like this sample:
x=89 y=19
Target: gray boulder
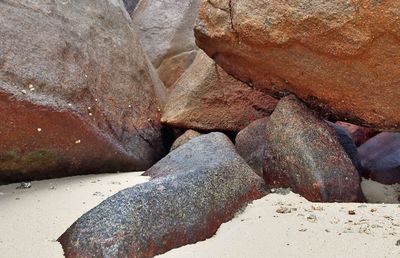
x=197 y=187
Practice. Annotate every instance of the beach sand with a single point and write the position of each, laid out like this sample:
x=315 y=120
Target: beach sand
x=278 y=225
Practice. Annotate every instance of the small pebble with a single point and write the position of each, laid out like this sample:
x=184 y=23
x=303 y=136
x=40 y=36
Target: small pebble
x=24 y=185
x=352 y=212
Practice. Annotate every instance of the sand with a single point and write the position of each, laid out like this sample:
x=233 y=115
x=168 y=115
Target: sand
x=278 y=225
x=32 y=219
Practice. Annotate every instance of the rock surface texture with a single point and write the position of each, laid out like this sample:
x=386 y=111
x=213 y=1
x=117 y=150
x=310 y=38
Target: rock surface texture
x=166 y=32
x=340 y=56
x=184 y=138
x=303 y=153
x=250 y=144
x=207 y=98
x=380 y=158
x=359 y=134
x=198 y=187
x=77 y=94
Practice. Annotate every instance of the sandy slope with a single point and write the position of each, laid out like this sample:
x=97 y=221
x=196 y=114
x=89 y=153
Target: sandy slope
x=31 y=220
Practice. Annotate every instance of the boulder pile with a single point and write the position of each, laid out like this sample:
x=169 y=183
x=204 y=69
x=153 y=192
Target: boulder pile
x=247 y=97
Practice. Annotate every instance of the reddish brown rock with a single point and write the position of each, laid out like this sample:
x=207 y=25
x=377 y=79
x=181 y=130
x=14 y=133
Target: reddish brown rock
x=250 y=144
x=184 y=138
x=359 y=134
x=304 y=153
x=380 y=158
x=77 y=94
x=341 y=57
x=207 y=98
x=171 y=69
x=194 y=190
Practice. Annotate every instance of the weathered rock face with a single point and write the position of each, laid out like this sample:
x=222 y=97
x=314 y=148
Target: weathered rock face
x=166 y=31
x=340 y=56
x=195 y=193
x=250 y=144
x=171 y=69
x=207 y=98
x=359 y=134
x=184 y=138
x=76 y=91
x=380 y=158
x=303 y=152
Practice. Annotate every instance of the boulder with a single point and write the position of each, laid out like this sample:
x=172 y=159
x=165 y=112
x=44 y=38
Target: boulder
x=359 y=134
x=171 y=69
x=184 y=138
x=77 y=94
x=193 y=192
x=304 y=153
x=207 y=98
x=250 y=144
x=380 y=158
x=341 y=57
x=166 y=32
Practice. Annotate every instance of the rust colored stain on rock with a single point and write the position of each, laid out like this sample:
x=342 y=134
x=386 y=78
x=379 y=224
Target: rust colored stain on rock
x=77 y=94
x=341 y=57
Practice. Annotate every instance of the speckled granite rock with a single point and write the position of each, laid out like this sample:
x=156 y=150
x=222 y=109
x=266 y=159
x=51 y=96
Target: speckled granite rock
x=201 y=185
x=339 y=56
x=380 y=158
x=184 y=138
x=77 y=93
x=303 y=153
x=250 y=144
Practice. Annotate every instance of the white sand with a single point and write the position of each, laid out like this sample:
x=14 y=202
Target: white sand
x=262 y=232
x=32 y=219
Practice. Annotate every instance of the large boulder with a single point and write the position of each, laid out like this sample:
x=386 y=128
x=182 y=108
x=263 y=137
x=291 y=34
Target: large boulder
x=250 y=144
x=380 y=158
x=77 y=94
x=166 y=31
x=304 y=153
x=197 y=187
x=339 y=56
x=207 y=98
